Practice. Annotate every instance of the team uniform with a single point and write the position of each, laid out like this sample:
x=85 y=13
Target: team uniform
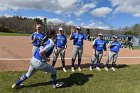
x=61 y=41
x=37 y=43
x=77 y=47
x=113 y=54
x=99 y=46
x=38 y=63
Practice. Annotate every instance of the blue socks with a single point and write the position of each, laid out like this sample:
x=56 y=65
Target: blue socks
x=24 y=77
x=53 y=78
x=79 y=62
x=73 y=61
x=98 y=63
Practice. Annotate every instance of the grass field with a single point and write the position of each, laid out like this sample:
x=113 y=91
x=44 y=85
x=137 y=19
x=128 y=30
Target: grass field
x=13 y=34
x=126 y=79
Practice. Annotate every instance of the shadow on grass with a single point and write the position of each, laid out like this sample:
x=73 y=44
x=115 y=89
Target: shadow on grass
x=73 y=79
x=87 y=66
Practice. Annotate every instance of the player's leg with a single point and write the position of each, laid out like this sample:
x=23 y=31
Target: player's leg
x=110 y=56
x=48 y=68
x=34 y=50
x=115 y=56
x=62 y=54
x=31 y=70
x=55 y=56
x=93 y=59
x=99 y=57
x=74 y=54
x=80 y=52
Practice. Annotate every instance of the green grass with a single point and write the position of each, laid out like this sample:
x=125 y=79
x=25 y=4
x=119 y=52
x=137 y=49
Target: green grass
x=126 y=79
x=13 y=34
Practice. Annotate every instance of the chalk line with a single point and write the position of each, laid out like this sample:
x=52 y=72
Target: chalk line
x=85 y=58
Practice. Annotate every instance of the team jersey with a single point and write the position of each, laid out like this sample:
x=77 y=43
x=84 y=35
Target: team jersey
x=48 y=47
x=61 y=41
x=115 y=46
x=78 y=38
x=39 y=37
x=99 y=44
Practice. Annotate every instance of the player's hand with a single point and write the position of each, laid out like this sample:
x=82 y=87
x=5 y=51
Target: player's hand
x=35 y=38
x=72 y=31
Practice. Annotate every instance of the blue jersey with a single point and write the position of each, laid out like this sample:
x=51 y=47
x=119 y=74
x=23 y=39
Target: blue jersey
x=99 y=44
x=39 y=37
x=78 y=38
x=115 y=46
x=48 y=48
x=61 y=41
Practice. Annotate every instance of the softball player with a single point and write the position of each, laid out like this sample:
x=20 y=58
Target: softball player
x=78 y=38
x=114 y=46
x=36 y=38
x=39 y=62
x=61 y=41
x=99 y=45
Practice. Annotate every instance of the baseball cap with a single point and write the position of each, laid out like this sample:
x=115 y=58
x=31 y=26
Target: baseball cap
x=100 y=34
x=60 y=28
x=78 y=28
x=115 y=37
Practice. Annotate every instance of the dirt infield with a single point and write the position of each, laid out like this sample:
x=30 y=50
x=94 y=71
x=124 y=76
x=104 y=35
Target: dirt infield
x=15 y=52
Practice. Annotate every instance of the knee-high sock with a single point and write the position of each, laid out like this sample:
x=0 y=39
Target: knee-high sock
x=53 y=63
x=98 y=63
x=79 y=62
x=63 y=63
x=53 y=78
x=72 y=62
x=113 y=64
x=24 y=77
x=106 y=65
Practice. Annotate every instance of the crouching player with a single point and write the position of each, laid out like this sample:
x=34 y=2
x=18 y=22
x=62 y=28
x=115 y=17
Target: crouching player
x=114 y=46
x=39 y=62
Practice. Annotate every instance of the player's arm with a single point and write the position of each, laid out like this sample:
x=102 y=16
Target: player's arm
x=70 y=38
x=66 y=43
x=94 y=46
x=85 y=37
x=33 y=38
x=109 y=44
x=71 y=35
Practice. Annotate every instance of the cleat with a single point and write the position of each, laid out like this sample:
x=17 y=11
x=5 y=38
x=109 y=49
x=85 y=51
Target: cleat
x=106 y=68
x=58 y=85
x=64 y=69
x=113 y=69
x=79 y=69
x=72 y=69
x=98 y=68
x=15 y=86
x=90 y=68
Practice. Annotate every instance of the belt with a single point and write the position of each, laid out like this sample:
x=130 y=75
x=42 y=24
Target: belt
x=37 y=45
x=99 y=50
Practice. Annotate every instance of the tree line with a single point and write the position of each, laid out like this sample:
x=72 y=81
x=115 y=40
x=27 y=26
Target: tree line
x=27 y=25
